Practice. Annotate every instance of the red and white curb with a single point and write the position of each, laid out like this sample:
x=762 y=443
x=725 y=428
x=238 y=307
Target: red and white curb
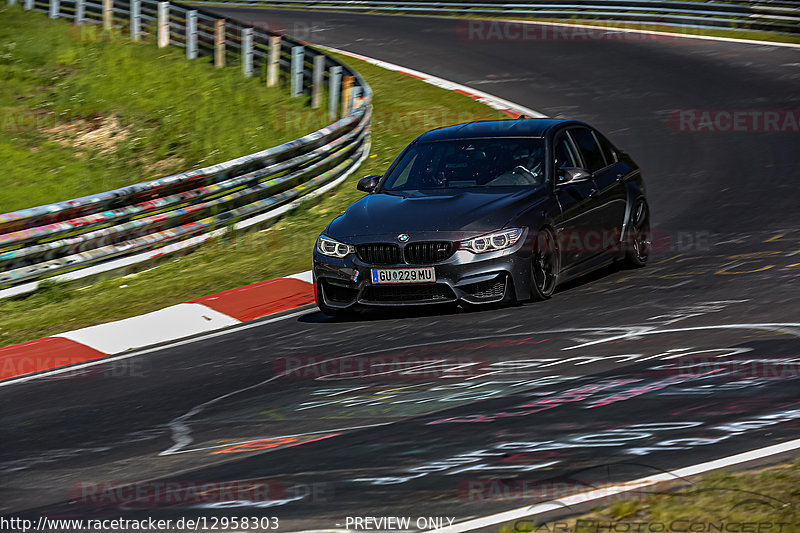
x=509 y=108
x=203 y=315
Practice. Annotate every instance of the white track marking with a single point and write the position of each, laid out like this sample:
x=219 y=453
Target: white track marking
x=173 y=322
x=599 y=494
x=306 y=276
x=111 y=359
x=643 y=331
x=633 y=331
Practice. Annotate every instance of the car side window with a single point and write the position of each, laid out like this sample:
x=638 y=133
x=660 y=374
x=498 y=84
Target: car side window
x=608 y=149
x=592 y=154
x=564 y=155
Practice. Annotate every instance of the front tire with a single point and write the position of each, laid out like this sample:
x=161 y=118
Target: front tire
x=545 y=265
x=638 y=240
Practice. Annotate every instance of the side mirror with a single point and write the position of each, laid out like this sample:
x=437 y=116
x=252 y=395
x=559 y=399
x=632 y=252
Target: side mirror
x=369 y=183
x=572 y=175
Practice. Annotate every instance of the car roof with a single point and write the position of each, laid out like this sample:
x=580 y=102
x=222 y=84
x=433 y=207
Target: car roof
x=522 y=127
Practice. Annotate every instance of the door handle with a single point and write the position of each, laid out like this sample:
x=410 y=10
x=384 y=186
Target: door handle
x=592 y=193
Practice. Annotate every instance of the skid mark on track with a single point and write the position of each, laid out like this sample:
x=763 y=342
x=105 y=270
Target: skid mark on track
x=181 y=431
x=181 y=428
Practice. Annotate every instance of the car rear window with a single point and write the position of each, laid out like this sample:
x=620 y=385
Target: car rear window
x=608 y=149
x=587 y=144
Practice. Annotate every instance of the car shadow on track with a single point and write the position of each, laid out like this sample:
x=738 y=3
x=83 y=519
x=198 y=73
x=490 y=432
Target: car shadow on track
x=380 y=314
x=593 y=277
x=450 y=309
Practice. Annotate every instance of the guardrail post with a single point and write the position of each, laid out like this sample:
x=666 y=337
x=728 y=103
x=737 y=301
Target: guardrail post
x=136 y=19
x=298 y=54
x=108 y=14
x=347 y=94
x=273 y=62
x=247 y=52
x=355 y=101
x=317 y=80
x=80 y=12
x=163 y=24
x=191 y=34
x=54 y=8
x=28 y=4
x=334 y=84
x=219 y=43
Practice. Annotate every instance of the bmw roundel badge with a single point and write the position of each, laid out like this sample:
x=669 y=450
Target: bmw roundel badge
x=402 y=237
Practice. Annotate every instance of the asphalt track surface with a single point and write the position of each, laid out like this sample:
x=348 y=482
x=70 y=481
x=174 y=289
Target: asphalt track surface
x=621 y=375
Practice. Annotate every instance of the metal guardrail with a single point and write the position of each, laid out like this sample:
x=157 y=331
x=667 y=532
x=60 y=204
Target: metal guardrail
x=119 y=229
x=781 y=16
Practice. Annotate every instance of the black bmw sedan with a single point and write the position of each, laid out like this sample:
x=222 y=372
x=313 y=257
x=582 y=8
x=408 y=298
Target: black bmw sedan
x=485 y=212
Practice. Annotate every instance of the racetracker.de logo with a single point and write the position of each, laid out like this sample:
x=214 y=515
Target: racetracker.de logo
x=508 y=30
x=394 y=366
x=143 y=495
x=514 y=490
x=748 y=368
x=389 y=120
x=734 y=120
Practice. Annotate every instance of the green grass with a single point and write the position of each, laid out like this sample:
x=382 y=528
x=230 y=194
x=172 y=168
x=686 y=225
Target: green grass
x=769 y=496
x=83 y=112
x=403 y=108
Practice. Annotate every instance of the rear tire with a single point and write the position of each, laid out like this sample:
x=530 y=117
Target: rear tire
x=545 y=265
x=638 y=239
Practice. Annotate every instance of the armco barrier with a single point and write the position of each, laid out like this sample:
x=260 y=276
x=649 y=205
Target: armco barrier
x=117 y=229
x=772 y=15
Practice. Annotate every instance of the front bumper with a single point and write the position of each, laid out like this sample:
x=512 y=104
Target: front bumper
x=346 y=283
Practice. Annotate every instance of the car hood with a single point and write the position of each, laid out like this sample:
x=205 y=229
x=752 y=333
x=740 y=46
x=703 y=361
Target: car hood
x=468 y=212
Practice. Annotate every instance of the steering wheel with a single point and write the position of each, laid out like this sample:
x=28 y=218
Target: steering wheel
x=533 y=174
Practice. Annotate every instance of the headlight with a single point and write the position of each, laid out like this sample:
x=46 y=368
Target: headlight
x=493 y=241
x=332 y=248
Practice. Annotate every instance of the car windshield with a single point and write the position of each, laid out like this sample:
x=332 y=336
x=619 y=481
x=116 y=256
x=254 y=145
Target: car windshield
x=466 y=163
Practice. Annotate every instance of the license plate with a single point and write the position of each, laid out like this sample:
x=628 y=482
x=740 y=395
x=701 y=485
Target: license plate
x=404 y=275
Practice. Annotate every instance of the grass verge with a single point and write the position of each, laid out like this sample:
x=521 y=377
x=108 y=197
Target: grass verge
x=403 y=108
x=746 y=502
x=82 y=111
